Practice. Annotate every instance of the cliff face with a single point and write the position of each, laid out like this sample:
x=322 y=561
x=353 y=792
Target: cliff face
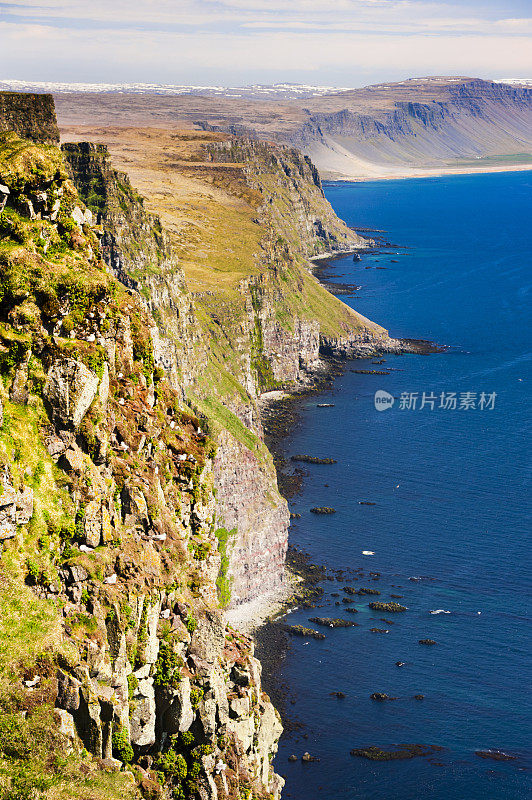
x=113 y=565
x=242 y=332
x=139 y=252
x=137 y=249
x=137 y=497
x=294 y=204
x=417 y=123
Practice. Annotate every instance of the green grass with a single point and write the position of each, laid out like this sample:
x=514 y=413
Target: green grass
x=220 y=416
x=223 y=582
x=28 y=625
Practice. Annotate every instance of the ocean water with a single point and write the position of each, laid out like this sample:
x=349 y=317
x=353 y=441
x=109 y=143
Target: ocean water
x=452 y=505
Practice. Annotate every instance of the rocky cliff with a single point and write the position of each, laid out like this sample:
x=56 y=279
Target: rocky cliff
x=137 y=497
x=254 y=323
x=32 y=116
x=118 y=672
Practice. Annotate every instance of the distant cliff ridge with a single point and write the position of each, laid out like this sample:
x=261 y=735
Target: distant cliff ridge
x=391 y=128
x=417 y=125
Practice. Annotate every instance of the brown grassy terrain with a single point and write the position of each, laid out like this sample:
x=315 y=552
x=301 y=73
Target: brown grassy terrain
x=207 y=208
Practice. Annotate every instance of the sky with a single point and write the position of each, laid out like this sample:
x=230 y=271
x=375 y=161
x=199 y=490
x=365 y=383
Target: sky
x=241 y=42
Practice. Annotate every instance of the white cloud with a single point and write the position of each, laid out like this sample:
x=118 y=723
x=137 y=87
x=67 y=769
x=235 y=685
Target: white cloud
x=203 y=40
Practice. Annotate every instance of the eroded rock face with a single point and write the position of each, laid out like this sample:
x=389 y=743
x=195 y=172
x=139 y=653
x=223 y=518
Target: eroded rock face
x=214 y=695
x=32 y=116
x=143 y=714
x=258 y=546
x=8 y=513
x=16 y=507
x=69 y=390
x=180 y=715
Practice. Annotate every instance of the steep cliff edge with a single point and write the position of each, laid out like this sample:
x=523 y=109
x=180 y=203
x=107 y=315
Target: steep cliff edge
x=137 y=497
x=119 y=677
x=238 y=311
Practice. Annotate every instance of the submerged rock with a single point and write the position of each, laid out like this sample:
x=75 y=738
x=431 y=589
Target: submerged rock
x=427 y=641
x=495 y=755
x=300 y=630
x=313 y=459
x=388 y=607
x=371 y=371
x=403 y=751
x=332 y=622
x=323 y=510
x=381 y=697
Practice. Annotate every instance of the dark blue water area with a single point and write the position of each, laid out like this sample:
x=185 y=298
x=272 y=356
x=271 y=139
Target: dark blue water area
x=452 y=505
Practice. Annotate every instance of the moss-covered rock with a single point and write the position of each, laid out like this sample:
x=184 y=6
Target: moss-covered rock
x=387 y=607
x=31 y=116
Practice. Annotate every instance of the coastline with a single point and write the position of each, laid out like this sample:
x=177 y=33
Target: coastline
x=414 y=172
x=279 y=416
x=307 y=673
x=253 y=614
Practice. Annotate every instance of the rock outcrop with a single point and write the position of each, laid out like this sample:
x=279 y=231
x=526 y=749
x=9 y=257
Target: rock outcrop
x=31 y=116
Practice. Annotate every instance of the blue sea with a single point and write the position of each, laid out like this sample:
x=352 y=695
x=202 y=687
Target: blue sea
x=451 y=488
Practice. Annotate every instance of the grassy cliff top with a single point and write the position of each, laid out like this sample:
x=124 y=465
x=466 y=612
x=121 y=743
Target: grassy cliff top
x=232 y=218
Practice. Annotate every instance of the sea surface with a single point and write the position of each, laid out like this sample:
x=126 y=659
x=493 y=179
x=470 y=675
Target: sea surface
x=451 y=489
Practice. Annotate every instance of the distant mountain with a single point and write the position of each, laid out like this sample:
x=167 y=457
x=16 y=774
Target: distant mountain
x=421 y=123
x=515 y=81
x=417 y=126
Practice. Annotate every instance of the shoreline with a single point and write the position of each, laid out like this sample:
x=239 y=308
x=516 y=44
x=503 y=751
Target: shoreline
x=417 y=172
x=279 y=415
x=251 y=615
